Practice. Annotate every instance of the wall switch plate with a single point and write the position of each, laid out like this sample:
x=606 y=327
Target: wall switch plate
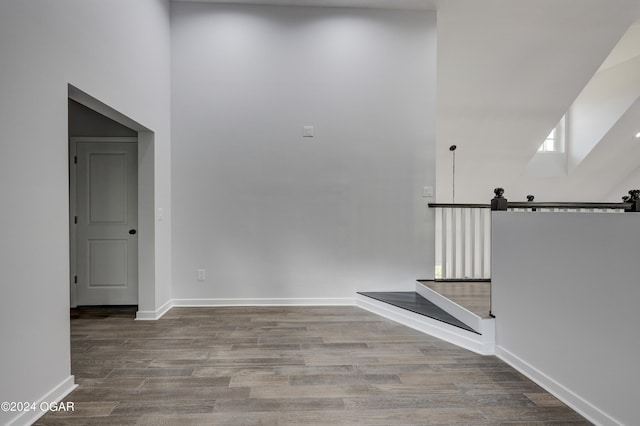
x=201 y=275
x=427 y=191
x=307 y=131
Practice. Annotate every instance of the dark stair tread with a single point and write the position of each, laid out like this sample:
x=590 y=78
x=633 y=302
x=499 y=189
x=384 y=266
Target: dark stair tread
x=412 y=301
x=457 y=280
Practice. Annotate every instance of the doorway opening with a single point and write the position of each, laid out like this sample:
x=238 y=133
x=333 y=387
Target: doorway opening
x=111 y=211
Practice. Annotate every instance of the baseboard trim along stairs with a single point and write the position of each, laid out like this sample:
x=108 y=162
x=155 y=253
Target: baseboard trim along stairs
x=478 y=335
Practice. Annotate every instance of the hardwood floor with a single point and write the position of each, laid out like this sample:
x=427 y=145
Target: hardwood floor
x=288 y=366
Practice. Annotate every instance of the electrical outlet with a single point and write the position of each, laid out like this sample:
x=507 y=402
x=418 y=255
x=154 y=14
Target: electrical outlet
x=427 y=191
x=201 y=275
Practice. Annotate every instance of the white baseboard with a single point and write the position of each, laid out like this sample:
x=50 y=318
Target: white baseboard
x=56 y=394
x=194 y=303
x=576 y=402
x=332 y=301
x=154 y=315
x=483 y=345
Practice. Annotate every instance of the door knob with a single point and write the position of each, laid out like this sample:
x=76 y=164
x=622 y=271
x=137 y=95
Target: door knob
x=132 y=231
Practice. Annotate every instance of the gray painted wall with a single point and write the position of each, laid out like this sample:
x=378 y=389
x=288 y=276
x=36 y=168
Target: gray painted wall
x=565 y=296
x=84 y=121
x=268 y=213
x=44 y=48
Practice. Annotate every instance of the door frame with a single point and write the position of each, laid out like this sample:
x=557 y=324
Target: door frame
x=149 y=291
x=73 y=204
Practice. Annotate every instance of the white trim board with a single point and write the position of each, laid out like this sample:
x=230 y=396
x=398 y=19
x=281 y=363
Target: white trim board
x=154 y=315
x=330 y=301
x=573 y=400
x=56 y=394
x=483 y=345
x=213 y=303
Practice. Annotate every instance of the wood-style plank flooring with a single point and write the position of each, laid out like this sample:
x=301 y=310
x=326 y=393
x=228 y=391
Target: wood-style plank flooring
x=288 y=366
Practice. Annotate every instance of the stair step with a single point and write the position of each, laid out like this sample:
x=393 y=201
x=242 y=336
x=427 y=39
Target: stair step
x=466 y=337
x=414 y=302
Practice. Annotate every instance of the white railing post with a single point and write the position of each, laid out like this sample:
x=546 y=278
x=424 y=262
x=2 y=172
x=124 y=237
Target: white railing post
x=478 y=215
x=468 y=256
x=486 y=240
x=448 y=258
x=458 y=259
x=439 y=235
x=462 y=249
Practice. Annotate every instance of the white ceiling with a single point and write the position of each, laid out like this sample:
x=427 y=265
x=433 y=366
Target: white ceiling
x=507 y=72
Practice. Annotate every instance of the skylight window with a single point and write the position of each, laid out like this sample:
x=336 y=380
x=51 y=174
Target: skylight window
x=555 y=141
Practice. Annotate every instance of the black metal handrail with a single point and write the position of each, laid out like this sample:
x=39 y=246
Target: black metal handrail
x=631 y=203
x=460 y=205
x=540 y=205
x=568 y=205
